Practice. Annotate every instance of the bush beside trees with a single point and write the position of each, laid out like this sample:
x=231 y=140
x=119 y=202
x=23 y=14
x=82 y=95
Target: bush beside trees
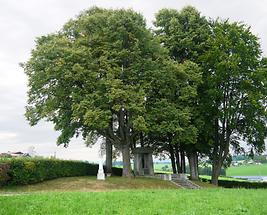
x=238 y=184
x=4 y=177
x=29 y=170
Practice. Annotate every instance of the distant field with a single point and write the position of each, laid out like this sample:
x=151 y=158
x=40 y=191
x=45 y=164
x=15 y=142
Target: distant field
x=247 y=170
x=186 y=202
x=158 y=167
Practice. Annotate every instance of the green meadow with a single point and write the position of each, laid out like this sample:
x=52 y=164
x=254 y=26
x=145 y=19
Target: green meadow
x=247 y=170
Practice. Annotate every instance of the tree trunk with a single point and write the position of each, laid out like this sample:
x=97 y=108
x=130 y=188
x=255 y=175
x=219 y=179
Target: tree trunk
x=183 y=170
x=216 y=169
x=193 y=161
x=215 y=155
x=141 y=139
x=127 y=169
x=108 y=156
x=172 y=159
x=177 y=158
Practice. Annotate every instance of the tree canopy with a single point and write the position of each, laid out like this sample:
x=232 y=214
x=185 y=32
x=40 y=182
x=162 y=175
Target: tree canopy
x=230 y=106
x=234 y=95
x=192 y=86
x=95 y=75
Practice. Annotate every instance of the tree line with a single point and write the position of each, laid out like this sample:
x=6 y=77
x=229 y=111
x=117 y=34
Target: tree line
x=190 y=87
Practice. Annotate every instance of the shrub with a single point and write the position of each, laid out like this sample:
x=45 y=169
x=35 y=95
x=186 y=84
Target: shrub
x=207 y=170
x=242 y=184
x=238 y=184
x=116 y=171
x=32 y=170
x=4 y=177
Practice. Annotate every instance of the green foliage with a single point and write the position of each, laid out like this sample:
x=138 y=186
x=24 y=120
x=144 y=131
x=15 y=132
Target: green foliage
x=230 y=106
x=29 y=170
x=116 y=171
x=183 y=33
x=233 y=94
x=90 y=70
x=98 y=71
x=207 y=170
x=260 y=158
x=4 y=169
x=165 y=168
x=105 y=74
x=32 y=170
x=238 y=184
x=170 y=104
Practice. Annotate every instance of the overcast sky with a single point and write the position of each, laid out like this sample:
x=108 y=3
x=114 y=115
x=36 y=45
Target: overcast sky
x=21 y=21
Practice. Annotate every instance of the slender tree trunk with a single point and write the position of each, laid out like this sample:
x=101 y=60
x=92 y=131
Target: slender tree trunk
x=193 y=161
x=215 y=155
x=218 y=161
x=171 y=151
x=108 y=156
x=141 y=139
x=127 y=169
x=220 y=150
x=183 y=170
x=177 y=158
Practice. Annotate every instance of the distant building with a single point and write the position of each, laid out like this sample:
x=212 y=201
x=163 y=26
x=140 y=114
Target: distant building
x=5 y=155
x=14 y=154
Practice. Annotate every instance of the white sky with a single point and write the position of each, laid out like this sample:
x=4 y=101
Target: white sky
x=21 y=21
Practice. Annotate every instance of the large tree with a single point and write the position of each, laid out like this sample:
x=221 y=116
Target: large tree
x=233 y=94
x=184 y=33
x=88 y=78
x=231 y=102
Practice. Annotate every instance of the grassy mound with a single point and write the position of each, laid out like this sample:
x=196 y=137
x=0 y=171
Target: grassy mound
x=89 y=183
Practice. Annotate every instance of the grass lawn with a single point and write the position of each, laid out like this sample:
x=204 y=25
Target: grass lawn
x=143 y=202
x=247 y=170
x=89 y=183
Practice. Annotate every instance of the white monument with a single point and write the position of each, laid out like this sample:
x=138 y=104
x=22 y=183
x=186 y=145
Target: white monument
x=100 y=174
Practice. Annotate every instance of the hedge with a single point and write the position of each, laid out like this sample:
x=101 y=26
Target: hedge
x=239 y=184
x=32 y=170
x=4 y=169
x=116 y=171
x=207 y=170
